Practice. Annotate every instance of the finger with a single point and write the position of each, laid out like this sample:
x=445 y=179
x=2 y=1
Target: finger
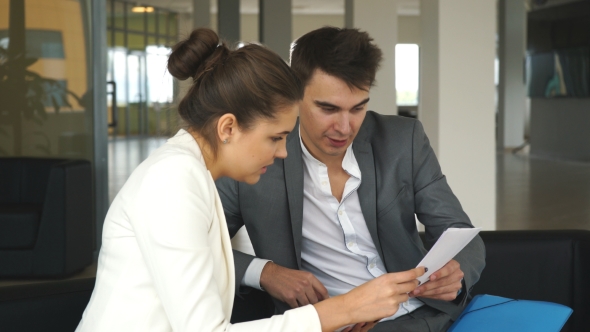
x=448 y=280
x=302 y=299
x=320 y=296
x=292 y=303
x=319 y=288
x=368 y=326
x=407 y=286
x=348 y=329
x=357 y=327
x=400 y=277
x=311 y=295
x=452 y=288
x=446 y=270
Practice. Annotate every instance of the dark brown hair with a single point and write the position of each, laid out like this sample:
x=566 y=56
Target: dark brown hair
x=348 y=54
x=251 y=82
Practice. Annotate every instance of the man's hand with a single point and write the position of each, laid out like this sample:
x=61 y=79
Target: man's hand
x=444 y=284
x=294 y=287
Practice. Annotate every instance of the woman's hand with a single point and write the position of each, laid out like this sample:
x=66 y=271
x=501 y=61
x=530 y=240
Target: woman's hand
x=370 y=301
x=381 y=297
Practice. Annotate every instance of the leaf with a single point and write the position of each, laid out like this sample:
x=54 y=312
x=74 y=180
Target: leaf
x=55 y=104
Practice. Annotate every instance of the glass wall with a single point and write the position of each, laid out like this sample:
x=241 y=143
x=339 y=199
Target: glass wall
x=46 y=79
x=141 y=90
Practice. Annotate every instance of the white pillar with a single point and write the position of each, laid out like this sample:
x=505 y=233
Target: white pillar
x=379 y=19
x=457 y=99
x=511 y=87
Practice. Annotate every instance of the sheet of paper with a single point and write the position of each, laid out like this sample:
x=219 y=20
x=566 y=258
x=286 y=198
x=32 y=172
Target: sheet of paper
x=449 y=244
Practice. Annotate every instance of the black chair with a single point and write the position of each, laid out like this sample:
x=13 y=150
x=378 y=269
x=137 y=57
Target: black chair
x=44 y=307
x=551 y=266
x=46 y=217
x=534 y=265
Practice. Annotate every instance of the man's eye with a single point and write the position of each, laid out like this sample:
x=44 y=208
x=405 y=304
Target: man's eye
x=276 y=139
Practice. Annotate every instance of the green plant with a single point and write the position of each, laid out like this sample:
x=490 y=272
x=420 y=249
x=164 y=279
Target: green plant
x=25 y=95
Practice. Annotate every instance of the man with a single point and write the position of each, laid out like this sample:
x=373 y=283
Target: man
x=340 y=209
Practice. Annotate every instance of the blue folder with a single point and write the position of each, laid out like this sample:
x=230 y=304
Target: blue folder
x=493 y=313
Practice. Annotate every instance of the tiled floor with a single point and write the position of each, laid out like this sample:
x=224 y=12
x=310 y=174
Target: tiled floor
x=535 y=193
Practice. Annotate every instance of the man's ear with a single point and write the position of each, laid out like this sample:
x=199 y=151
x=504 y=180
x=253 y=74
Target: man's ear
x=227 y=126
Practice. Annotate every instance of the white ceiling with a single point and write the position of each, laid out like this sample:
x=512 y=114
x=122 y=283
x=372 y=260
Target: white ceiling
x=313 y=7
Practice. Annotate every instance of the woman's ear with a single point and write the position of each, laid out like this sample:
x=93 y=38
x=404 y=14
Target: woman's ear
x=227 y=126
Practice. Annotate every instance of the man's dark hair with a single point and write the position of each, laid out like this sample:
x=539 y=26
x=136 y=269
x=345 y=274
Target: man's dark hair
x=348 y=54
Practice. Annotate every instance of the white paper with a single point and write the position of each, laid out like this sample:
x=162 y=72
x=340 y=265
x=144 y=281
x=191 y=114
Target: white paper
x=449 y=244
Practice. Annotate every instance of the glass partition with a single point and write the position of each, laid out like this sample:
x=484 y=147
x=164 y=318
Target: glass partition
x=46 y=79
x=139 y=41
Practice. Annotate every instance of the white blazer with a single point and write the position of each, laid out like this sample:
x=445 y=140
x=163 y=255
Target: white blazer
x=166 y=261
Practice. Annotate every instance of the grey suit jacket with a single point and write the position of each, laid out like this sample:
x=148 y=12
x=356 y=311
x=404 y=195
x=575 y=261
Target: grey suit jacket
x=400 y=177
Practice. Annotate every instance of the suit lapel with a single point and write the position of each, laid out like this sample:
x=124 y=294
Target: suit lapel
x=367 y=190
x=293 y=167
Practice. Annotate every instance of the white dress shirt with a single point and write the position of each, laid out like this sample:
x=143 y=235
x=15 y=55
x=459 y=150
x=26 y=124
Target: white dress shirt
x=336 y=247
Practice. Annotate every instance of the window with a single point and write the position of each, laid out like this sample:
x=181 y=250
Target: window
x=407 y=73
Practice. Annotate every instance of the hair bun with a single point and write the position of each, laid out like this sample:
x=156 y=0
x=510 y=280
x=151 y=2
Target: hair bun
x=190 y=54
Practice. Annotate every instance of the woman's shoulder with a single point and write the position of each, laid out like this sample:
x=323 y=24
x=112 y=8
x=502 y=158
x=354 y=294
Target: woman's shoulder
x=172 y=167
x=175 y=157
x=180 y=154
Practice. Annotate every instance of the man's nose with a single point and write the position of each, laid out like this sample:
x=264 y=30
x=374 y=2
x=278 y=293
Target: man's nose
x=342 y=124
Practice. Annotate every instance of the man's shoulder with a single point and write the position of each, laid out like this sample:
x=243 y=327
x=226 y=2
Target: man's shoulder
x=374 y=118
x=386 y=127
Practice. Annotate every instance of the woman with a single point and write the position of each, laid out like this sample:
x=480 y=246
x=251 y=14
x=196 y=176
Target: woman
x=166 y=262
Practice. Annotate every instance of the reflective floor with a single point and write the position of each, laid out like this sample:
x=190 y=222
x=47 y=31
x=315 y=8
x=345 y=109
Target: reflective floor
x=535 y=193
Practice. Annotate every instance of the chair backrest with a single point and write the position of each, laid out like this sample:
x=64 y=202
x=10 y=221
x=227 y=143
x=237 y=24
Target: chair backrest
x=24 y=180
x=551 y=266
x=44 y=306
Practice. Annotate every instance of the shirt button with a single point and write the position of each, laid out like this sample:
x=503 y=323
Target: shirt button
x=350 y=244
x=340 y=212
x=372 y=265
x=324 y=183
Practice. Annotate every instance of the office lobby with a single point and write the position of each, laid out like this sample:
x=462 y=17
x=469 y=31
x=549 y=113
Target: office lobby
x=502 y=88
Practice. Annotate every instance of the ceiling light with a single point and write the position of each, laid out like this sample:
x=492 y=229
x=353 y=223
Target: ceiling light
x=142 y=9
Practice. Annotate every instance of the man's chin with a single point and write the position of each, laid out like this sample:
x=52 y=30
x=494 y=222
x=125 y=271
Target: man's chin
x=336 y=151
